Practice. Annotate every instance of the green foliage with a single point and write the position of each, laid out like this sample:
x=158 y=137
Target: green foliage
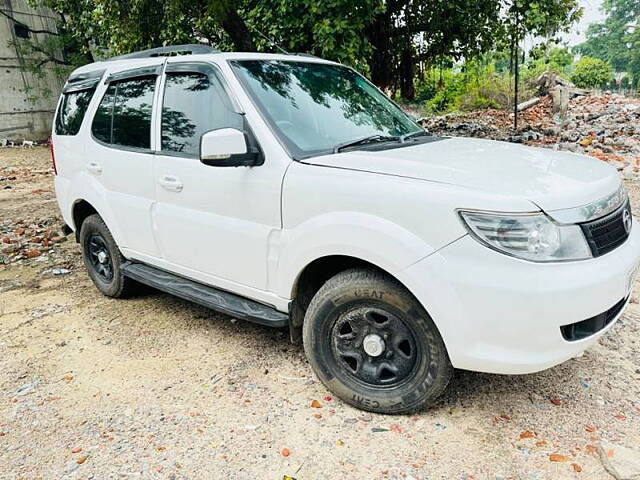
x=445 y=99
x=616 y=40
x=592 y=72
x=558 y=60
x=383 y=38
x=543 y=18
x=426 y=89
x=332 y=30
x=611 y=40
x=477 y=85
x=490 y=91
x=625 y=82
x=439 y=90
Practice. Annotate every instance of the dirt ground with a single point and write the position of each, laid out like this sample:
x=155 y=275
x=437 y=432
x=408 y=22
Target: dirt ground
x=157 y=388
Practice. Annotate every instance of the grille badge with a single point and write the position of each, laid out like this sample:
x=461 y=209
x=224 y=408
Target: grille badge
x=626 y=220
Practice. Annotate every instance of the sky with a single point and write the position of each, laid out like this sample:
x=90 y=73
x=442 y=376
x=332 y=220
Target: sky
x=592 y=13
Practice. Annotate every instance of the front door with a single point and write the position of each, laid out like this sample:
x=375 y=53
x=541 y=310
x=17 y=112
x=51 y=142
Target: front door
x=211 y=223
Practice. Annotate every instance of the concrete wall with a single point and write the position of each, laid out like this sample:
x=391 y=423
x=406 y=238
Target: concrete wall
x=27 y=102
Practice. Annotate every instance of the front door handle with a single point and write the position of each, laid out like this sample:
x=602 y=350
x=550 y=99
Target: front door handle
x=171 y=183
x=95 y=168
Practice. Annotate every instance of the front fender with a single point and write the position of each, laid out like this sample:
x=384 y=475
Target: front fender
x=363 y=236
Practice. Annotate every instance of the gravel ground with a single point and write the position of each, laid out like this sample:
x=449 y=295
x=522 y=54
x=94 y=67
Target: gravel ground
x=157 y=388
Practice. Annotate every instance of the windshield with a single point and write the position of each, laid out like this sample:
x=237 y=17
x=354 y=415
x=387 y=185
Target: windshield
x=315 y=107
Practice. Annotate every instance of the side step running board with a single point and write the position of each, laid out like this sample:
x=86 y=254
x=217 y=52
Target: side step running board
x=206 y=296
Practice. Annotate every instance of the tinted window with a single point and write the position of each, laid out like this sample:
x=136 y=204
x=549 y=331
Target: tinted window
x=194 y=103
x=132 y=113
x=71 y=112
x=101 y=127
x=124 y=114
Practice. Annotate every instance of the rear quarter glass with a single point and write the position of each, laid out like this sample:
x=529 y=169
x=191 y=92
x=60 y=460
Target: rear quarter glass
x=73 y=108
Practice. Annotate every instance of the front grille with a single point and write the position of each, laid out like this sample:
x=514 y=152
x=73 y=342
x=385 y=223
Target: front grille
x=607 y=233
x=586 y=328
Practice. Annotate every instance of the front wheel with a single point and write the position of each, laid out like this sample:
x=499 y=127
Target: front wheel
x=372 y=344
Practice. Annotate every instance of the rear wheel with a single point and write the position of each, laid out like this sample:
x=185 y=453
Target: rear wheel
x=371 y=343
x=103 y=258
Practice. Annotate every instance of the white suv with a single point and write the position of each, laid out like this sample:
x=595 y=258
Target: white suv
x=289 y=191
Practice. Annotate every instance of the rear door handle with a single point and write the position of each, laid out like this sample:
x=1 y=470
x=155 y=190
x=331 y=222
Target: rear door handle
x=171 y=183
x=94 y=167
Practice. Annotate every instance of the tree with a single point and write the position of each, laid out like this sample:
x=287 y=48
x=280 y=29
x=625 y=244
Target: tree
x=334 y=30
x=560 y=58
x=122 y=26
x=616 y=40
x=592 y=72
x=536 y=18
x=408 y=32
x=384 y=38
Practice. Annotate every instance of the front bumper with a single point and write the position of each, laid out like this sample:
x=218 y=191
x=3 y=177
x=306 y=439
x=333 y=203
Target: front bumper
x=499 y=314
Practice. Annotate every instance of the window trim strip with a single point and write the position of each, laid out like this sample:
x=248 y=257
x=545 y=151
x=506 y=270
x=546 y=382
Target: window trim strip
x=151 y=71
x=83 y=81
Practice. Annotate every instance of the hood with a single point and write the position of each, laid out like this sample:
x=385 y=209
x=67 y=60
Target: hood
x=551 y=179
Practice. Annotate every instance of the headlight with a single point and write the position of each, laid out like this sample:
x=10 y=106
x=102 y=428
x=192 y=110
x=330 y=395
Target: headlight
x=529 y=236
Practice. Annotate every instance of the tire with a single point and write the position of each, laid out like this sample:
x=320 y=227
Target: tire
x=106 y=275
x=403 y=365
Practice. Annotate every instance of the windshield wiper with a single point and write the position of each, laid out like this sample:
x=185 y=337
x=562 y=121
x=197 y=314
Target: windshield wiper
x=419 y=133
x=365 y=140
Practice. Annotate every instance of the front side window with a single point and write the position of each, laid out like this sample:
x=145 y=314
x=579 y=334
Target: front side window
x=316 y=107
x=71 y=112
x=194 y=103
x=123 y=117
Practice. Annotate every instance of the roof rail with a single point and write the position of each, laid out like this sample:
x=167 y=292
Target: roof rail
x=194 y=49
x=304 y=54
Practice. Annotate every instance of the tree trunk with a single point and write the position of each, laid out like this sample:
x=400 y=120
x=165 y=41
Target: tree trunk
x=407 y=88
x=381 y=61
x=515 y=96
x=234 y=26
x=516 y=42
x=511 y=57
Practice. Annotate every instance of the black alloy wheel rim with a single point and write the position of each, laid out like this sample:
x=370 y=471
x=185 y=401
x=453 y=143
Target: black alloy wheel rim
x=99 y=257
x=376 y=347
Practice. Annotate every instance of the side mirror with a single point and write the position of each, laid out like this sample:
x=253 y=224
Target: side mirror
x=227 y=147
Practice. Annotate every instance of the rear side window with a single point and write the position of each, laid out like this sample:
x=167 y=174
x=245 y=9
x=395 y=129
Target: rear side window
x=71 y=112
x=123 y=117
x=101 y=127
x=194 y=103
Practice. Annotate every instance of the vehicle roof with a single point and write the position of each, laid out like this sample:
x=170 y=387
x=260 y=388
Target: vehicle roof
x=116 y=64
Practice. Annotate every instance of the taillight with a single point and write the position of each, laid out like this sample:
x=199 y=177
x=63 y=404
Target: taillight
x=53 y=157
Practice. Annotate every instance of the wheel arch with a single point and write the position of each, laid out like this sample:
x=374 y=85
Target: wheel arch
x=311 y=278
x=80 y=210
x=84 y=206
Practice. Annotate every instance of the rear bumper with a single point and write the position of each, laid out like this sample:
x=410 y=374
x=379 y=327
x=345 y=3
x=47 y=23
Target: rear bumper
x=61 y=186
x=499 y=314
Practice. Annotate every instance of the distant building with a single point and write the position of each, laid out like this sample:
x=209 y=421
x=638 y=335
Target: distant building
x=27 y=101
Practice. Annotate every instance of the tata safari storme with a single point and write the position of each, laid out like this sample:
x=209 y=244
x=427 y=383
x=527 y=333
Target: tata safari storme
x=289 y=191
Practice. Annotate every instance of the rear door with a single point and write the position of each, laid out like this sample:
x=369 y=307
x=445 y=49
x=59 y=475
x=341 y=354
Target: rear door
x=120 y=155
x=211 y=223
x=67 y=140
